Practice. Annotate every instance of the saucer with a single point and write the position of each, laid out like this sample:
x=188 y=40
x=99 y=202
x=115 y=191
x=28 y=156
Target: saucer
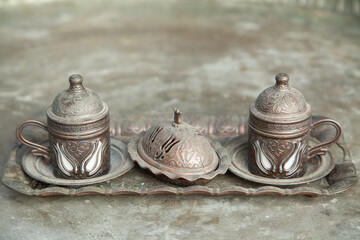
x=238 y=151
x=120 y=163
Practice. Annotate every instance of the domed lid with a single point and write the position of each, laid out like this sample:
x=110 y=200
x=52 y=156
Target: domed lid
x=176 y=147
x=281 y=103
x=77 y=104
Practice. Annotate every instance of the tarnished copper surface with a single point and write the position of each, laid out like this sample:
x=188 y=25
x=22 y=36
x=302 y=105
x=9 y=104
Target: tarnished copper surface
x=136 y=181
x=238 y=149
x=78 y=125
x=279 y=130
x=120 y=163
x=225 y=126
x=177 y=152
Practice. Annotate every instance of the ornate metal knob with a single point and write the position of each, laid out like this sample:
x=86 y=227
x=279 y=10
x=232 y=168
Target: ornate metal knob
x=282 y=81
x=76 y=82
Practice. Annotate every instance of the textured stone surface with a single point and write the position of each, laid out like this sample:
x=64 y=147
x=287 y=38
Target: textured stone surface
x=208 y=58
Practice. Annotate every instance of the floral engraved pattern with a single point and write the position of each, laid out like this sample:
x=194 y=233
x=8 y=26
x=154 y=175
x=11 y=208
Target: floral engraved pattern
x=280 y=102
x=78 y=128
x=278 y=158
x=81 y=158
x=278 y=149
x=224 y=126
x=207 y=125
x=185 y=152
x=280 y=127
x=70 y=103
x=78 y=150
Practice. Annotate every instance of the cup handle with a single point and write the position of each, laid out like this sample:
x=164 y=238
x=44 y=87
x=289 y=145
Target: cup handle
x=38 y=150
x=320 y=149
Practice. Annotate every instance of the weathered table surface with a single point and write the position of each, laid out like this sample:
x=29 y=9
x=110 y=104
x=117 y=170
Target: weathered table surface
x=211 y=58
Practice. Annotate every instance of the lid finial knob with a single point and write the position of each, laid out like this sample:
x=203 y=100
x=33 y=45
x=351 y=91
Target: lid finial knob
x=76 y=82
x=177 y=117
x=282 y=80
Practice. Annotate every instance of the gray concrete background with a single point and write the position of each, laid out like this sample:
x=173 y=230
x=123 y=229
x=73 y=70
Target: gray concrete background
x=210 y=57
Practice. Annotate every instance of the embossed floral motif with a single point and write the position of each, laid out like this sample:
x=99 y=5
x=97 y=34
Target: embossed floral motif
x=203 y=124
x=78 y=150
x=184 y=151
x=278 y=148
x=70 y=103
x=78 y=128
x=278 y=158
x=133 y=128
x=81 y=158
x=274 y=101
x=224 y=126
x=279 y=127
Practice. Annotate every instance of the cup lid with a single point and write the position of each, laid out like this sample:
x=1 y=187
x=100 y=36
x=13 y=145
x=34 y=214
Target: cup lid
x=281 y=103
x=77 y=104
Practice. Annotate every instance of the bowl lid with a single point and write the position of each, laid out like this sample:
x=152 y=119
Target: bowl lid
x=281 y=103
x=178 y=148
x=77 y=104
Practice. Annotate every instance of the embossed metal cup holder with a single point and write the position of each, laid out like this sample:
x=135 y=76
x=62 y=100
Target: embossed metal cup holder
x=120 y=163
x=175 y=152
x=79 y=133
x=238 y=149
x=279 y=131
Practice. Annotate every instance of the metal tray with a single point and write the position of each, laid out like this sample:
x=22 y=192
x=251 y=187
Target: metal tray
x=139 y=181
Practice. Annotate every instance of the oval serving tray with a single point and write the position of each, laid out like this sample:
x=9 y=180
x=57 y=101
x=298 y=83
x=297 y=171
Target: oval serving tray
x=137 y=181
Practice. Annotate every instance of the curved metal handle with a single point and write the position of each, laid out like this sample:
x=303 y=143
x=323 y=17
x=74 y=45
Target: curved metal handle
x=38 y=150
x=320 y=149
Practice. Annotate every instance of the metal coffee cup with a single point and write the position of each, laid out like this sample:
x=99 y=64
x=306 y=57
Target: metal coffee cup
x=79 y=133
x=280 y=123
